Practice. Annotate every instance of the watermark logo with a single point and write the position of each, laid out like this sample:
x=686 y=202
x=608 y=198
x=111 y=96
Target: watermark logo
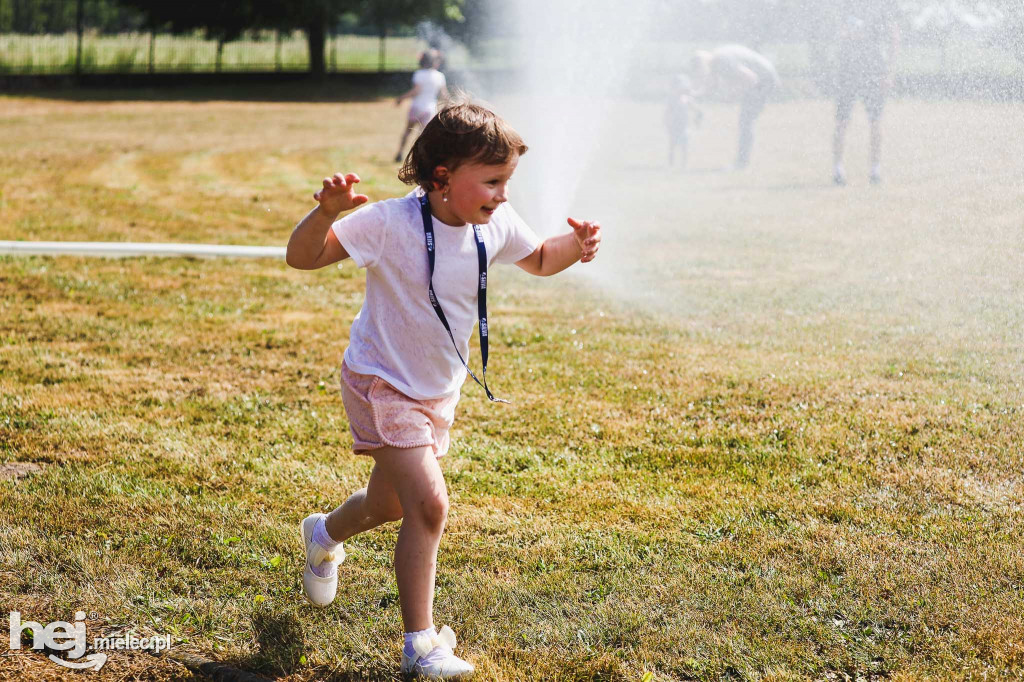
x=71 y=638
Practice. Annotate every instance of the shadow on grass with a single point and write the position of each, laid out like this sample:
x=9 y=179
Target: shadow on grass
x=354 y=86
x=280 y=643
x=279 y=647
x=350 y=87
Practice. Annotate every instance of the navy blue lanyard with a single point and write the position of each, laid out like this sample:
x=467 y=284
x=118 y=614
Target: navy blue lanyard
x=481 y=301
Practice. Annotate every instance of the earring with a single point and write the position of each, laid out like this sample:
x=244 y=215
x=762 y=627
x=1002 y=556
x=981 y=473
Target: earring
x=444 y=195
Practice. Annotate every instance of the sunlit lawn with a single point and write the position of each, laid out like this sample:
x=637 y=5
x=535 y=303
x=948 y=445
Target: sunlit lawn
x=775 y=434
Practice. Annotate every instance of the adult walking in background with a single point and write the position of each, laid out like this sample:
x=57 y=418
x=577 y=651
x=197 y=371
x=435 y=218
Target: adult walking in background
x=866 y=49
x=737 y=71
x=428 y=83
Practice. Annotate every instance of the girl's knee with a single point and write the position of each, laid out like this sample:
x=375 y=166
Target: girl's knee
x=432 y=510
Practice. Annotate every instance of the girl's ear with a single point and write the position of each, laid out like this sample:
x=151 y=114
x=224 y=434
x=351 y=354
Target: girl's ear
x=440 y=177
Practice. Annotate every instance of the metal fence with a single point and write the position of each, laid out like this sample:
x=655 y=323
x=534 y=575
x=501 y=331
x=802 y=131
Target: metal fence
x=95 y=52
x=99 y=36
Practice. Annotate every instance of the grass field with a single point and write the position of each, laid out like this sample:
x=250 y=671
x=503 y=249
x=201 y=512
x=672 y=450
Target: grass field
x=775 y=433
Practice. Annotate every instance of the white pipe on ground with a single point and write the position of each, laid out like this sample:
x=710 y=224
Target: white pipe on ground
x=127 y=249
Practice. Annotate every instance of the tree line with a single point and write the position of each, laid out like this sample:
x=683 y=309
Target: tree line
x=753 y=21
x=227 y=20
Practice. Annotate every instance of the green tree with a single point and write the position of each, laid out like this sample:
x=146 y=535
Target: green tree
x=1010 y=33
x=221 y=20
x=388 y=15
x=227 y=20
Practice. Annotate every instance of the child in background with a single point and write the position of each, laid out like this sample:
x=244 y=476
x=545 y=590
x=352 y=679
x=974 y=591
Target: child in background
x=401 y=379
x=427 y=85
x=677 y=119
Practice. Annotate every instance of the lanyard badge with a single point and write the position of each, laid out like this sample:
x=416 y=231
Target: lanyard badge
x=481 y=304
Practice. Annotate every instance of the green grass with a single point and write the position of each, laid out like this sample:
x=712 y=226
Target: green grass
x=776 y=434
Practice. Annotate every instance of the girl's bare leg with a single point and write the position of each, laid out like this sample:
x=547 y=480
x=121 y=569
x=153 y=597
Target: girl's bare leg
x=416 y=477
x=839 y=140
x=366 y=508
x=876 y=142
x=405 y=136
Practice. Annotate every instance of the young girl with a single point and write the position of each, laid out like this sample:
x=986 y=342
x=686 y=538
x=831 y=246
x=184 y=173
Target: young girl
x=425 y=257
x=678 y=110
x=428 y=83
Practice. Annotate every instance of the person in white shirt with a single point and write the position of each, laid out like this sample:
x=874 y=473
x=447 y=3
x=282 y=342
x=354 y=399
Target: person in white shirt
x=428 y=84
x=404 y=367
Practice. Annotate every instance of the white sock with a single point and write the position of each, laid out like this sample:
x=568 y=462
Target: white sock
x=324 y=569
x=839 y=170
x=321 y=536
x=876 y=170
x=409 y=650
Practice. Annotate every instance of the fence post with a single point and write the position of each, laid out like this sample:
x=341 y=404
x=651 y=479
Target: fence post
x=277 y=50
x=79 y=21
x=334 y=52
x=152 y=50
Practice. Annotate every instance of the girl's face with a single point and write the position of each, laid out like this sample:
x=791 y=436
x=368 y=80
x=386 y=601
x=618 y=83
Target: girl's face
x=475 y=190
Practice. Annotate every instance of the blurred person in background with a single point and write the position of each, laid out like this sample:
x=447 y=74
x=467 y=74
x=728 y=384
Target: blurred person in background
x=679 y=112
x=736 y=72
x=866 y=48
x=428 y=84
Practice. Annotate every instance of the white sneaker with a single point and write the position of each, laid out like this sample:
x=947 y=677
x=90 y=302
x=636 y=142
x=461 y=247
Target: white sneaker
x=319 y=591
x=447 y=666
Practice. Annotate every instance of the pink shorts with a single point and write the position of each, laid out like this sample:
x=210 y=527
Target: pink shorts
x=380 y=415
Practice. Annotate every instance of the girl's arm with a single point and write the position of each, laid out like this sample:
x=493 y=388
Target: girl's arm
x=557 y=253
x=313 y=243
x=406 y=95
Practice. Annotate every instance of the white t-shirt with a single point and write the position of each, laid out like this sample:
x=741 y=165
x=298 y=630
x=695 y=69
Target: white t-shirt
x=430 y=81
x=397 y=335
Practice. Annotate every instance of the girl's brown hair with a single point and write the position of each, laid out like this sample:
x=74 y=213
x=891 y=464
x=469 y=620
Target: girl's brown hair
x=458 y=134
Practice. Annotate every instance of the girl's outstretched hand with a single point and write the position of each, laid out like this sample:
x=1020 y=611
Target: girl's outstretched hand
x=588 y=236
x=338 y=194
